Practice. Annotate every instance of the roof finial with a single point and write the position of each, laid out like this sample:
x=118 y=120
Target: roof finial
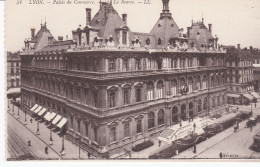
x=192 y=20
x=166 y=5
x=202 y=18
x=45 y=21
x=111 y=2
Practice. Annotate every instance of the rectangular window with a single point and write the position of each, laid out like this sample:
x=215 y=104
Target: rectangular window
x=139 y=126
x=126 y=129
x=149 y=63
x=137 y=64
x=126 y=96
x=125 y=64
x=112 y=134
x=138 y=95
x=86 y=129
x=124 y=38
x=111 y=65
x=112 y=98
x=78 y=95
x=95 y=98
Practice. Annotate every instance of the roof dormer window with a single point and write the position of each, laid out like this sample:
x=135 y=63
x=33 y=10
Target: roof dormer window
x=159 y=41
x=147 y=41
x=159 y=25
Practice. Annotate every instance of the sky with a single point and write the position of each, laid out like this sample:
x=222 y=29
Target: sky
x=233 y=21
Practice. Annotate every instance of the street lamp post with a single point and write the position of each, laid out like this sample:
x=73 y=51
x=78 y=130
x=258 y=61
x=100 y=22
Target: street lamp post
x=18 y=114
x=251 y=109
x=63 y=147
x=13 y=109
x=25 y=119
x=79 y=146
x=8 y=105
x=38 y=128
x=51 y=141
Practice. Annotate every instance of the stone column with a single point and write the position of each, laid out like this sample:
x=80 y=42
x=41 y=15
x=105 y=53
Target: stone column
x=132 y=92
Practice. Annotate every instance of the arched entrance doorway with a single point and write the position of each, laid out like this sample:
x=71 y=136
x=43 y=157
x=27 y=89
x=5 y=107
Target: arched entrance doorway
x=183 y=112
x=174 y=115
x=191 y=114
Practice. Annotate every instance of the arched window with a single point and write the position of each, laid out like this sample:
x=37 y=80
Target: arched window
x=160 y=89
x=191 y=115
x=199 y=105
x=71 y=121
x=174 y=86
x=218 y=101
x=205 y=104
x=147 y=41
x=112 y=99
x=161 y=117
x=190 y=83
x=151 y=120
x=198 y=83
x=150 y=88
x=213 y=102
x=183 y=86
x=204 y=82
x=159 y=41
x=212 y=81
x=79 y=125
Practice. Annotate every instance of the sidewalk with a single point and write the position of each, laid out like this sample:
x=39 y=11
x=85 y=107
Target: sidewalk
x=71 y=150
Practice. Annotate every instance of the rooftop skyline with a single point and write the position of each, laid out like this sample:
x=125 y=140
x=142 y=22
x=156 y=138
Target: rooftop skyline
x=239 y=25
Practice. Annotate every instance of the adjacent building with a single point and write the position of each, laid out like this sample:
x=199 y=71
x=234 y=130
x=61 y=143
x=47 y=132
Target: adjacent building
x=240 y=76
x=115 y=87
x=13 y=70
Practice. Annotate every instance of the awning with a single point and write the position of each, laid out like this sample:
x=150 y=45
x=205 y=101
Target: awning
x=34 y=107
x=56 y=120
x=42 y=111
x=255 y=95
x=53 y=114
x=62 y=123
x=47 y=115
x=248 y=96
x=37 y=109
x=233 y=95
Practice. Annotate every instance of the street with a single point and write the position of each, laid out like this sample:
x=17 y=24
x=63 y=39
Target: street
x=19 y=135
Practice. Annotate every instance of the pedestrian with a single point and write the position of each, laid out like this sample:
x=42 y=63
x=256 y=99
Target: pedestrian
x=195 y=149
x=46 y=150
x=31 y=120
x=251 y=127
x=29 y=142
x=160 y=143
x=220 y=155
x=89 y=155
x=255 y=105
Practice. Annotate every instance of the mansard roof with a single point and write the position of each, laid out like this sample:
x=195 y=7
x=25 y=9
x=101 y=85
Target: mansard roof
x=40 y=40
x=107 y=20
x=201 y=33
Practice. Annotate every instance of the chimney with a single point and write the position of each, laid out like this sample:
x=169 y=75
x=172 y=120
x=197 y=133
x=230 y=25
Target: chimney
x=88 y=16
x=60 y=38
x=238 y=46
x=124 y=16
x=50 y=40
x=251 y=48
x=32 y=32
x=188 y=32
x=210 y=28
x=67 y=37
